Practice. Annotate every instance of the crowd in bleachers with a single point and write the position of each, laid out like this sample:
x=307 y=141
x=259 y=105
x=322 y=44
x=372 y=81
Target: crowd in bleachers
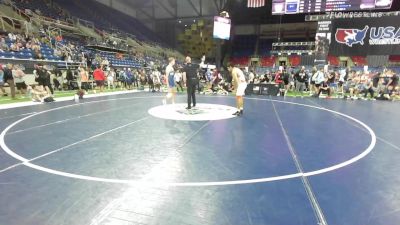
x=22 y=46
x=333 y=82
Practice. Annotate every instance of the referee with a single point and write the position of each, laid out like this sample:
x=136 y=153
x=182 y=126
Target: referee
x=192 y=81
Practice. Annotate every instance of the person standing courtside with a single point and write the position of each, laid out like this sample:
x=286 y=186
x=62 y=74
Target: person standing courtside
x=300 y=78
x=240 y=85
x=99 y=77
x=190 y=72
x=9 y=79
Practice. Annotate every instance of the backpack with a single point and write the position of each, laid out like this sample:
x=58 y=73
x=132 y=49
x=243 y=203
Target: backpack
x=49 y=99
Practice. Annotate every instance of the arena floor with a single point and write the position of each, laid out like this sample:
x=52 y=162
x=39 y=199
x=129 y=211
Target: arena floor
x=287 y=161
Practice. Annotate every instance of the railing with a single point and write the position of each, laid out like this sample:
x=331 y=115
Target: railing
x=85 y=23
x=15 y=24
x=19 y=11
x=38 y=19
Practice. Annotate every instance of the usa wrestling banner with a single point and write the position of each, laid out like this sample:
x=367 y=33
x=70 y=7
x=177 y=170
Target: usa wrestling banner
x=365 y=36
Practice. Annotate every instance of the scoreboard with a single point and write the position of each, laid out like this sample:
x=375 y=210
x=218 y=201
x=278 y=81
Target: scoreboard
x=315 y=6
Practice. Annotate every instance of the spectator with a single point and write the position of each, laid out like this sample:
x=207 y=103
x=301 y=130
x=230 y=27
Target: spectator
x=12 y=37
x=286 y=80
x=178 y=80
x=39 y=93
x=251 y=77
x=136 y=78
x=343 y=75
x=3 y=45
x=4 y=93
x=279 y=82
x=59 y=79
x=99 y=77
x=324 y=86
x=312 y=78
x=105 y=62
x=393 y=81
x=319 y=79
x=9 y=79
x=122 y=78
x=300 y=80
x=129 y=78
x=18 y=75
x=28 y=45
x=142 y=78
x=157 y=80
x=215 y=80
x=110 y=78
x=84 y=78
x=331 y=80
x=368 y=88
x=149 y=79
x=37 y=54
x=350 y=85
x=14 y=47
x=43 y=78
x=70 y=78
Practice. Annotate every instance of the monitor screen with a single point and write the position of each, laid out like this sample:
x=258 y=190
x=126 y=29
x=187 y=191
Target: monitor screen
x=315 y=6
x=222 y=28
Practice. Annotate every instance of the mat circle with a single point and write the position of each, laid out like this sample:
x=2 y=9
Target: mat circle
x=202 y=112
x=27 y=163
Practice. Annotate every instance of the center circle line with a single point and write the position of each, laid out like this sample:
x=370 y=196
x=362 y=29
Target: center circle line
x=27 y=163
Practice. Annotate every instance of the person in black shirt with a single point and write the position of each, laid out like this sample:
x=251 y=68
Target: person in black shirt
x=58 y=80
x=70 y=78
x=191 y=70
x=393 y=82
x=43 y=78
x=300 y=80
x=325 y=87
x=8 y=78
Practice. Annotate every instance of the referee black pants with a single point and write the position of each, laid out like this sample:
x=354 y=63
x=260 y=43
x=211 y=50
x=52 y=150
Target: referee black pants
x=191 y=93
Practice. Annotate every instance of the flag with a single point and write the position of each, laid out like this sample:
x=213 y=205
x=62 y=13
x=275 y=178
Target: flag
x=255 y=3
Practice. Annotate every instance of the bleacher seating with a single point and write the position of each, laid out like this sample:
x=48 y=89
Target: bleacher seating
x=114 y=61
x=295 y=60
x=359 y=60
x=333 y=60
x=394 y=58
x=241 y=61
x=103 y=16
x=268 y=61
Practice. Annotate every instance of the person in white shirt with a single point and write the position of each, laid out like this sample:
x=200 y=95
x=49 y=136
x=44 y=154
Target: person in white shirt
x=178 y=80
x=342 y=79
x=156 y=80
x=240 y=85
x=251 y=77
x=319 y=79
x=18 y=75
x=110 y=78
